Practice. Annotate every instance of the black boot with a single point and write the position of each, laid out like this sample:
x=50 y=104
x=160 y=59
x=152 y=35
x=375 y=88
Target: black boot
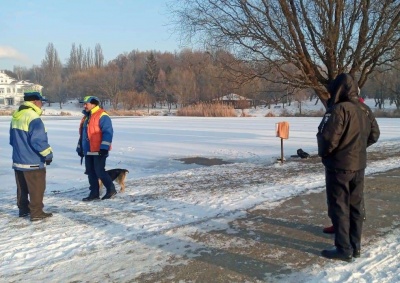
x=24 y=212
x=335 y=254
x=91 y=197
x=356 y=253
x=109 y=195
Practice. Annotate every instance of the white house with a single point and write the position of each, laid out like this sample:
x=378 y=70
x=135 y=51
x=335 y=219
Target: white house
x=12 y=91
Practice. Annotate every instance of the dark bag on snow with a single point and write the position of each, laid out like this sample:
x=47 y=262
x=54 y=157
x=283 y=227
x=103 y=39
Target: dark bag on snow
x=302 y=154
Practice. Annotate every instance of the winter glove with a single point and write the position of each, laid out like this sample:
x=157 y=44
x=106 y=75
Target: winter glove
x=48 y=161
x=81 y=154
x=103 y=152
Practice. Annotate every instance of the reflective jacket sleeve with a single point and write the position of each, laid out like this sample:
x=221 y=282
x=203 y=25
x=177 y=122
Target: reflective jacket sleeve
x=38 y=138
x=107 y=132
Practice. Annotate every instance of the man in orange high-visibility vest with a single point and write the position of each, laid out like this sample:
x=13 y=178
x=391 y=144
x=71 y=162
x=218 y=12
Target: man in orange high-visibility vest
x=95 y=137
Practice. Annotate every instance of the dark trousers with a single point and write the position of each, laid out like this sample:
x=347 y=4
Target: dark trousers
x=345 y=194
x=95 y=169
x=32 y=183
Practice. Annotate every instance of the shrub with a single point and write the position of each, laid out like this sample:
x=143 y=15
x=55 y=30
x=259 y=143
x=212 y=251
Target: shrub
x=112 y=112
x=319 y=113
x=207 y=110
x=244 y=114
x=387 y=114
x=285 y=113
x=6 y=112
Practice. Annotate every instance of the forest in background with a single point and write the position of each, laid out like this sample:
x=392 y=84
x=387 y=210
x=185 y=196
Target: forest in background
x=145 y=79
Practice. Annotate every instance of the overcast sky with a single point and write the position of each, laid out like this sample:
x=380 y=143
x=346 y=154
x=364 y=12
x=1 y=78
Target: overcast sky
x=27 y=27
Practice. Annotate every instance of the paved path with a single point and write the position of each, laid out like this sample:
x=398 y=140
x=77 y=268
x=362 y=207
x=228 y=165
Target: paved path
x=269 y=243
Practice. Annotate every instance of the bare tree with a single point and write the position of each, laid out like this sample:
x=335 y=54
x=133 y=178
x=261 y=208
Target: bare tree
x=320 y=38
x=84 y=83
x=52 y=69
x=109 y=82
x=73 y=63
x=98 y=56
x=20 y=72
x=394 y=83
x=161 y=87
x=88 y=59
x=36 y=75
x=151 y=76
x=183 y=85
x=379 y=86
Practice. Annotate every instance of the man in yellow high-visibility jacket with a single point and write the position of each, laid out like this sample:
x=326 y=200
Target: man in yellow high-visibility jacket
x=31 y=153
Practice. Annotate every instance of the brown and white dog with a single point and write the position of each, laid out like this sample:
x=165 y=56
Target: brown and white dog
x=118 y=175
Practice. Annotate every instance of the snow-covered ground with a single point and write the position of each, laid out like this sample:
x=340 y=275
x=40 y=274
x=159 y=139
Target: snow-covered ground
x=148 y=226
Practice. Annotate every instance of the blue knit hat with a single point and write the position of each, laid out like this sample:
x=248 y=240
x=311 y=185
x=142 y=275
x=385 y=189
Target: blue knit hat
x=33 y=95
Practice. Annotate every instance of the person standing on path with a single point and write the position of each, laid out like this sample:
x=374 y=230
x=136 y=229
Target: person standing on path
x=31 y=153
x=345 y=132
x=331 y=229
x=95 y=137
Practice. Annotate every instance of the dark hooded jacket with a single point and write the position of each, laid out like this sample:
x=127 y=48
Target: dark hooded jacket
x=347 y=129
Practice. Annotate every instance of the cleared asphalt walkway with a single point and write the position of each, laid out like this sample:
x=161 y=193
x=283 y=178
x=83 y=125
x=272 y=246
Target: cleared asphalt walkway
x=269 y=243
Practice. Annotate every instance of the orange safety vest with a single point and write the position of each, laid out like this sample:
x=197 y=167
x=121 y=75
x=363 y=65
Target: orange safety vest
x=94 y=133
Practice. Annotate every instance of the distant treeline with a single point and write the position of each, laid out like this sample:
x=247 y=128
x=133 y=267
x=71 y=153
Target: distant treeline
x=144 y=79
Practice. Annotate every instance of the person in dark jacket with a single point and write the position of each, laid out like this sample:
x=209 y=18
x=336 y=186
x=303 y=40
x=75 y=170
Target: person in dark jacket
x=346 y=130
x=330 y=229
x=95 y=137
x=31 y=153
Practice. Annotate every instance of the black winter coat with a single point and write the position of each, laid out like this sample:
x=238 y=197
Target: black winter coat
x=347 y=129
